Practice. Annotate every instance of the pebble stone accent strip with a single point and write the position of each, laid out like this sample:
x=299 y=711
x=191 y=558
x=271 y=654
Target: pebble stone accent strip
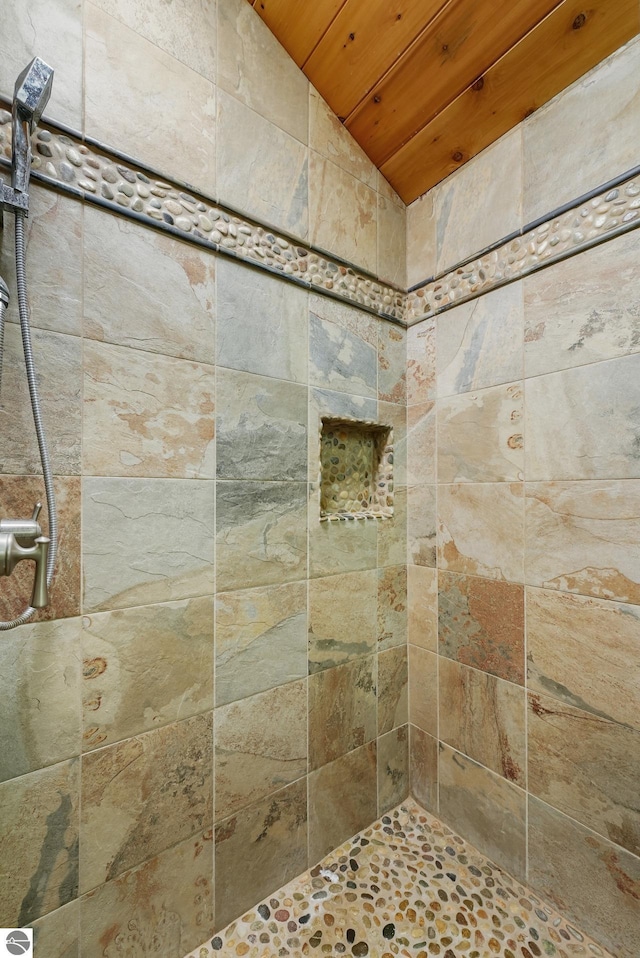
x=356 y=470
x=405 y=886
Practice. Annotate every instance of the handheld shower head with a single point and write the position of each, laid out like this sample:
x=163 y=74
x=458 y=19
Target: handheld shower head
x=32 y=91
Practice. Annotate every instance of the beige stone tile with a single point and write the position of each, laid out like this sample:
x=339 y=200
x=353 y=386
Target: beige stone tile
x=480 y=529
x=587 y=767
x=421 y=525
x=342 y=213
x=39 y=707
x=145 y=667
x=484 y=807
x=395 y=415
x=146 y=541
x=595 y=883
x=480 y=435
x=342 y=800
x=342 y=618
x=255 y=69
x=330 y=404
x=421 y=239
x=332 y=140
x=342 y=355
x=261 y=170
x=422 y=614
x=52 y=31
x=147 y=415
x=421 y=443
x=342 y=710
x=421 y=362
x=261 y=427
x=392 y=241
x=58 y=361
x=147 y=910
x=58 y=933
x=17 y=497
x=393 y=768
x=424 y=768
x=188 y=33
x=462 y=225
x=392 y=353
x=262 y=324
x=272 y=836
x=479 y=344
x=168 y=286
x=582 y=423
x=363 y=325
x=583 y=536
x=39 y=836
x=393 y=690
x=337 y=547
x=261 y=533
x=260 y=746
x=585 y=652
x=128 y=77
x=484 y=717
x=392 y=607
x=604 y=136
x=392 y=532
x=481 y=624
x=584 y=309
x=423 y=690
x=142 y=795
x=53 y=232
x=261 y=639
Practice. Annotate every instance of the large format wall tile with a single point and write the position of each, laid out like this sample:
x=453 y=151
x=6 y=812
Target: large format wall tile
x=421 y=240
x=147 y=415
x=597 y=884
x=58 y=933
x=261 y=533
x=393 y=768
x=262 y=324
x=340 y=356
x=336 y=547
x=587 y=767
x=423 y=690
x=261 y=170
x=421 y=443
x=173 y=106
x=480 y=343
x=480 y=529
x=483 y=717
x=145 y=290
x=481 y=623
x=145 y=667
x=255 y=69
x=421 y=362
x=480 y=436
x=331 y=139
x=261 y=427
x=342 y=710
x=145 y=541
x=259 y=849
x=392 y=352
x=583 y=537
x=144 y=794
x=583 y=309
x=146 y=910
x=261 y=639
x=585 y=652
x=39 y=706
x=342 y=213
x=484 y=807
x=421 y=525
x=342 y=618
x=260 y=746
x=39 y=837
x=342 y=800
x=392 y=689
x=423 y=760
x=391 y=266
x=422 y=607
x=392 y=532
x=583 y=423
x=392 y=607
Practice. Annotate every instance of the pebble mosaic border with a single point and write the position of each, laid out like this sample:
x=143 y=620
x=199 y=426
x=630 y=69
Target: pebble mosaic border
x=405 y=886
x=91 y=172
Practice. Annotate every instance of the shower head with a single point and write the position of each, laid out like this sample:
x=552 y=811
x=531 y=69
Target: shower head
x=32 y=91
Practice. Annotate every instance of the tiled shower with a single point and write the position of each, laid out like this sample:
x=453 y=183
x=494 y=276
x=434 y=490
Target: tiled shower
x=224 y=688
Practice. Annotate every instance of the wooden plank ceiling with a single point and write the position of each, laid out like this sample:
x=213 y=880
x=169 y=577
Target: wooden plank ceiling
x=424 y=85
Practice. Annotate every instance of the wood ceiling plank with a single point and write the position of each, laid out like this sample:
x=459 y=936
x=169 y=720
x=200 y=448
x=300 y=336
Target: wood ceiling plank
x=363 y=41
x=459 y=45
x=298 y=24
x=559 y=50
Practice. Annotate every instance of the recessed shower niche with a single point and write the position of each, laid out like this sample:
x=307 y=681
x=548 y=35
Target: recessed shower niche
x=356 y=470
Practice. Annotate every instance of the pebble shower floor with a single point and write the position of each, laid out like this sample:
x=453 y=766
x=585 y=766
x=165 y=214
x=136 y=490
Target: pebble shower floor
x=406 y=886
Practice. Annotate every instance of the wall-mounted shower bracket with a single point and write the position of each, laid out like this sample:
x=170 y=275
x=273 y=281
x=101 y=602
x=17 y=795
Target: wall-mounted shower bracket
x=12 y=200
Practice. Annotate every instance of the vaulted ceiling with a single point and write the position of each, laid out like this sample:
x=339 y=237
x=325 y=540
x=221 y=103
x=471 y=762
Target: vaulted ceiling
x=424 y=85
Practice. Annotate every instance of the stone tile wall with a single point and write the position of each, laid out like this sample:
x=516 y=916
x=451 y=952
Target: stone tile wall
x=524 y=523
